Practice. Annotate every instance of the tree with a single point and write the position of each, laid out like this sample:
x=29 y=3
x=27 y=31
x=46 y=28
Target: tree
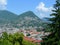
x=5 y=35
x=14 y=39
x=11 y=39
x=54 y=37
x=18 y=37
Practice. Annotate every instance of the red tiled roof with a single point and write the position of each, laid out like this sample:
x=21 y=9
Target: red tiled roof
x=32 y=40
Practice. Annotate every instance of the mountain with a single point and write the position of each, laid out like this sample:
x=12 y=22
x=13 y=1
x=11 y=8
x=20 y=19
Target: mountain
x=6 y=16
x=29 y=19
x=25 y=20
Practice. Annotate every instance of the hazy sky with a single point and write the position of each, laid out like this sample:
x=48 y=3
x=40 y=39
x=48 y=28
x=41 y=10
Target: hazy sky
x=42 y=8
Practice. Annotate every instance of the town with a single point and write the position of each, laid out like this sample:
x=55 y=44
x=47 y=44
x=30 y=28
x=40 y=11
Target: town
x=31 y=35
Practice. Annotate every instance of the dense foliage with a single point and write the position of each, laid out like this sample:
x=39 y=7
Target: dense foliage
x=54 y=37
x=14 y=39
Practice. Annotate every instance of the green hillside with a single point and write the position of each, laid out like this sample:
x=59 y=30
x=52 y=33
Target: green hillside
x=29 y=19
x=4 y=14
x=26 y=19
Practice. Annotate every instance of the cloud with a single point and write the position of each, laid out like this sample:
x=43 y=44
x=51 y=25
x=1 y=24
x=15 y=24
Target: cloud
x=43 y=10
x=3 y=4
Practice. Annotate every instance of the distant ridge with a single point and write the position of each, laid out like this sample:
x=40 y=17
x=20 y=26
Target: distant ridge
x=6 y=16
x=26 y=19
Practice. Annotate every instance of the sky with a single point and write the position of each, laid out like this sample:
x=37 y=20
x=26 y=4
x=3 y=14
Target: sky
x=42 y=8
